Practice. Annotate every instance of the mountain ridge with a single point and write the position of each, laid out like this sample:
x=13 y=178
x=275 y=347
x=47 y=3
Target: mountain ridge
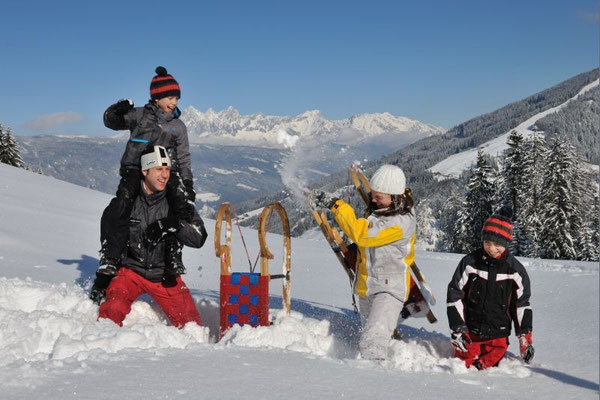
x=267 y=130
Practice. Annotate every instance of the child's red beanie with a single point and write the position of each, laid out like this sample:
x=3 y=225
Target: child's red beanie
x=163 y=85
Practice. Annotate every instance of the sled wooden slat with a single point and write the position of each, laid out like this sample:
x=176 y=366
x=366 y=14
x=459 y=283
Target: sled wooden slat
x=265 y=253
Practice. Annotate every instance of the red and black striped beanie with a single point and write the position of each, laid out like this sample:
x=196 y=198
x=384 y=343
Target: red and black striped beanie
x=163 y=85
x=498 y=228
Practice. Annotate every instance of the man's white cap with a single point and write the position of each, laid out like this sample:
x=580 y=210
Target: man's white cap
x=157 y=158
x=388 y=179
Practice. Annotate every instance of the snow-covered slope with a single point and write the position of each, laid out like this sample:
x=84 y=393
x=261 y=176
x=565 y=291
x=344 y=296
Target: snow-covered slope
x=230 y=127
x=52 y=347
x=454 y=165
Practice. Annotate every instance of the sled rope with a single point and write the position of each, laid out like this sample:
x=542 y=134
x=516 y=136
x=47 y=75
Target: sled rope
x=237 y=222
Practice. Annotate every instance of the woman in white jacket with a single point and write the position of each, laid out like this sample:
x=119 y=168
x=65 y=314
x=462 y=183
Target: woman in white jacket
x=386 y=250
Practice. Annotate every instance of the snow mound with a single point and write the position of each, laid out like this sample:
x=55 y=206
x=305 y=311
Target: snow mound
x=294 y=332
x=42 y=321
x=433 y=353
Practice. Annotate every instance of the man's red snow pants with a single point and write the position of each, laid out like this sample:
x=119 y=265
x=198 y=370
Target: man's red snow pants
x=176 y=302
x=483 y=353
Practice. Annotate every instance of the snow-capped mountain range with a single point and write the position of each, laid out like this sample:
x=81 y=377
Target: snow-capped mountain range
x=235 y=157
x=230 y=127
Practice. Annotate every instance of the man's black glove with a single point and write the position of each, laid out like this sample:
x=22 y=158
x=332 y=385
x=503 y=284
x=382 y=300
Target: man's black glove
x=169 y=279
x=98 y=292
x=189 y=190
x=156 y=231
x=123 y=106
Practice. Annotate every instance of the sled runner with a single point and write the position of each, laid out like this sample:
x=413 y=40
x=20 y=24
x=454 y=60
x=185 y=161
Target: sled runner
x=244 y=297
x=346 y=255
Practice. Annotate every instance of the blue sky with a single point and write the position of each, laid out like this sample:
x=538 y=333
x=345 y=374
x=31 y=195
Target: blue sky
x=441 y=62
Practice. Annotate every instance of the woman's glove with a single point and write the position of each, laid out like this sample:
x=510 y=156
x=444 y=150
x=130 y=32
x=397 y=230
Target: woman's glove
x=319 y=199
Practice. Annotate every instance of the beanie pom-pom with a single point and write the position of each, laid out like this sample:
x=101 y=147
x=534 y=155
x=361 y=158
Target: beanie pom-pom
x=161 y=71
x=505 y=211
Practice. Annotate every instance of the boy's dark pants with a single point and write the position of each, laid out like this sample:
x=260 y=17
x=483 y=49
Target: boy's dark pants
x=114 y=224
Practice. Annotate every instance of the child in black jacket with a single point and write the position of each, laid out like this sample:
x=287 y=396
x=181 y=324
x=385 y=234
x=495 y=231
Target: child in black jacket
x=489 y=290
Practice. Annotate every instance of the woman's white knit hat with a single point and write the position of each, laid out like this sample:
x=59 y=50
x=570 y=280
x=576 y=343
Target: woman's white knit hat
x=388 y=179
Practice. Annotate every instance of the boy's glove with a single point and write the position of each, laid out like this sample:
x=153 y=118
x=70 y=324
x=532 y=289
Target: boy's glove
x=460 y=340
x=98 y=292
x=319 y=199
x=123 y=106
x=526 y=347
x=189 y=189
x=156 y=231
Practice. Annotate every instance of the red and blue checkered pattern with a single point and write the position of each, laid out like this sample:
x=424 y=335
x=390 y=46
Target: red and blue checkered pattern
x=244 y=300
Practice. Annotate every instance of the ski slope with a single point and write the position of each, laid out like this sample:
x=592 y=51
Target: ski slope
x=454 y=165
x=52 y=346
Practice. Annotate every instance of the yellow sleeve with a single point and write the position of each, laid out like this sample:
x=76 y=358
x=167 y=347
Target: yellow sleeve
x=357 y=229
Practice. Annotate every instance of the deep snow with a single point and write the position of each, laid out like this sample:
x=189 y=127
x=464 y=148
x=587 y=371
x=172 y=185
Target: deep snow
x=52 y=347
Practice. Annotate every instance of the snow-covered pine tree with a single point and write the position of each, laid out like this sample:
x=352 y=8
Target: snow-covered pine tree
x=512 y=184
x=595 y=227
x=1 y=139
x=453 y=230
x=427 y=227
x=479 y=202
x=463 y=235
x=9 y=150
x=560 y=211
x=3 y=146
x=529 y=216
x=585 y=189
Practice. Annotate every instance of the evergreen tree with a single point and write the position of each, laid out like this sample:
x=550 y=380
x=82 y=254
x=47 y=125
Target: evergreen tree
x=587 y=211
x=463 y=239
x=479 y=202
x=529 y=217
x=595 y=227
x=512 y=183
x=9 y=150
x=1 y=140
x=560 y=212
x=453 y=231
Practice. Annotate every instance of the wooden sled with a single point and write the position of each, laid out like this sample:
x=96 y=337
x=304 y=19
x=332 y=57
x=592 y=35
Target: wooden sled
x=244 y=297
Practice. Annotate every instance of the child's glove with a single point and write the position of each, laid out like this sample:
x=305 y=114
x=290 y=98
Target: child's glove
x=123 y=106
x=189 y=189
x=156 y=231
x=460 y=340
x=98 y=292
x=526 y=347
x=319 y=199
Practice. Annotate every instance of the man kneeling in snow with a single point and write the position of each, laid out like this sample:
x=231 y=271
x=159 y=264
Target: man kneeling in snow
x=143 y=265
